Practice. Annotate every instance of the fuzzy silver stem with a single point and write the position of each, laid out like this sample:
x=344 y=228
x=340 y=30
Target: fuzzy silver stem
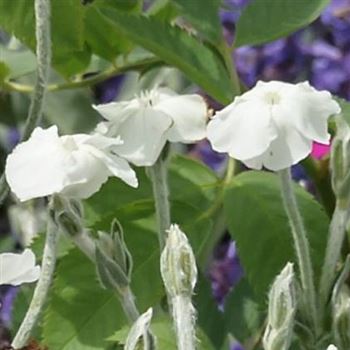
x=158 y=175
x=301 y=246
x=41 y=289
x=43 y=54
x=184 y=317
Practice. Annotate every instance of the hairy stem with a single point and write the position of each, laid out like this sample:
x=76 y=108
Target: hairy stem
x=301 y=245
x=43 y=54
x=127 y=299
x=336 y=237
x=41 y=289
x=158 y=175
x=184 y=320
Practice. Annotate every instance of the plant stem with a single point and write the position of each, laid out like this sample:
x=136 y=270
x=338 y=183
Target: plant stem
x=43 y=54
x=127 y=299
x=184 y=317
x=158 y=175
x=336 y=237
x=301 y=245
x=41 y=289
x=93 y=80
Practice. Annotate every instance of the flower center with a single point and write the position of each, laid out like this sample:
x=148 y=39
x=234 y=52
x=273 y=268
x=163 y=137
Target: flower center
x=70 y=144
x=272 y=98
x=148 y=98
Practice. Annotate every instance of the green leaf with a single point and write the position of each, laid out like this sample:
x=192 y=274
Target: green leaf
x=4 y=71
x=70 y=54
x=80 y=314
x=102 y=36
x=176 y=47
x=259 y=225
x=266 y=20
x=204 y=16
x=88 y=314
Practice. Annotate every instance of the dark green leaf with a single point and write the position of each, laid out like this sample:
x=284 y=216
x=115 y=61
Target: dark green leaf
x=67 y=27
x=4 y=71
x=176 y=47
x=204 y=16
x=266 y=20
x=257 y=221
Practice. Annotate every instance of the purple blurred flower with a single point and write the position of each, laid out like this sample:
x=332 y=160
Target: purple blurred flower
x=108 y=90
x=225 y=271
x=236 y=346
x=7 y=299
x=13 y=138
x=204 y=152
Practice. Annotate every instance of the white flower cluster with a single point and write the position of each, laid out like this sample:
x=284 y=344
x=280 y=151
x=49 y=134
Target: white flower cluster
x=78 y=165
x=272 y=126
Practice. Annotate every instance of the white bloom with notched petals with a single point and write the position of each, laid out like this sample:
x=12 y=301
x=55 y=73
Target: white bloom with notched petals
x=16 y=269
x=273 y=125
x=73 y=165
x=146 y=122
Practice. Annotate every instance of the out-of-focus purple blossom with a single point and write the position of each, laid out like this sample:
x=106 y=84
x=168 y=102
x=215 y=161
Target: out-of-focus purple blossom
x=108 y=90
x=6 y=302
x=337 y=17
x=236 y=346
x=203 y=151
x=225 y=271
x=13 y=138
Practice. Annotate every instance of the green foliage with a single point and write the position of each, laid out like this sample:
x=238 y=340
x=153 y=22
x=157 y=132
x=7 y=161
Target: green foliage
x=345 y=108
x=204 y=16
x=257 y=221
x=80 y=314
x=178 y=48
x=265 y=20
x=162 y=328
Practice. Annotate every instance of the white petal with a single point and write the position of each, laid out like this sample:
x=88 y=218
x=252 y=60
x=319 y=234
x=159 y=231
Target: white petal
x=189 y=114
x=16 y=269
x=288 y=149
x=243 y=129
x=118 y=167
x=115 y=111
x=332 y=347
x=34 y=168
x=309 y=110
x=144 y=137
x=85 y=174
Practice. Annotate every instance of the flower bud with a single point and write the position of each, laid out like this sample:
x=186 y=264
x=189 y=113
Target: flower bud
x=178 y=264
x=281 y=311
x=139 y=336
x=340 y=160
x=67 y=214
x=341 y=317
x=113 y=259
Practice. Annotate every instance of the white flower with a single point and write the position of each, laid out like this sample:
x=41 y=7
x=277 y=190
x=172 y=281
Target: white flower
x=16 y=269
x=273 y=125
x=332 y=347
x=146 y=122
x=74 y=165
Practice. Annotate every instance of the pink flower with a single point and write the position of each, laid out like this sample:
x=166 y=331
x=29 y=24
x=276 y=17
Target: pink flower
x=319 y=150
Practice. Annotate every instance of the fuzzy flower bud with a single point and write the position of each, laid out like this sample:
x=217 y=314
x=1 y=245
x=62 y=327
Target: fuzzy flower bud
x=341 y=317
x=113 y=259
x=179 y=272
x=340 y=160
x=178 y=264
x=281 y=312
x=139 y=335
x=67 y=214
